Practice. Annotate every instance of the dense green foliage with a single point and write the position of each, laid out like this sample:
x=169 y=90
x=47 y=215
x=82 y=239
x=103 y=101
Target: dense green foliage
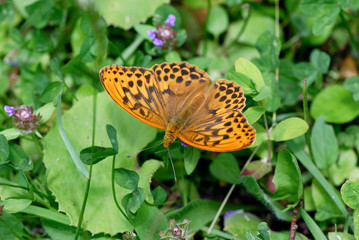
x=64 y=166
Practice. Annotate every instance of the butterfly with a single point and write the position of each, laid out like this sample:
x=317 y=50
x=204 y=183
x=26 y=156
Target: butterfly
x=176 y=97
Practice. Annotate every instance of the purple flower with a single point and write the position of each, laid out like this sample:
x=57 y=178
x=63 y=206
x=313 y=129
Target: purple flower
x=158 y=42
x=9 y=110
x=151 y=34
x=231 y=212
x=171 y=20
x=184 y=144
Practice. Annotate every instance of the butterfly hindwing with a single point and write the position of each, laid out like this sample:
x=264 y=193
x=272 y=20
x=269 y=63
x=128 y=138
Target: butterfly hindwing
x=218 y=124
x=135 y=90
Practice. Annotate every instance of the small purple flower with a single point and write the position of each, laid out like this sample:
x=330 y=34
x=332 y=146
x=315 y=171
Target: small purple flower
x=231 y=212
x=184 y=144
x=171 y=20
x=151 y=34
x=158 y=42
x=9 y=110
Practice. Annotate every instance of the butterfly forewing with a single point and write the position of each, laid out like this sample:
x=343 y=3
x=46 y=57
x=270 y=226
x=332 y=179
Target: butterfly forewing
x=179 y=84
x=135 y=90
x=218 y=124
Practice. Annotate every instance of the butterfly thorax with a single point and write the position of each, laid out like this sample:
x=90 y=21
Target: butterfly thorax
x=171 y=134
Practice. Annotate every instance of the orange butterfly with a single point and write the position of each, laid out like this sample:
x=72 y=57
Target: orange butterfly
x=173 y=97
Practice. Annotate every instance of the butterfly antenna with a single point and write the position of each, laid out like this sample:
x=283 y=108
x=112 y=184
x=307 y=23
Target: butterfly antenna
x=173 y=167
x=144 y=149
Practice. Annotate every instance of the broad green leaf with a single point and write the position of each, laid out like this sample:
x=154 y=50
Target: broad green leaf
x=4 y=149
x=225 y=167
x=352 y=85
x=325 y=12
x=126 y=178
x=46 y=112
x=159 y=195
x=19 y=159
x=200 y=212
x=11 y=133
x=217 y=21
x=324 y=144
x=39 y=13
x=268 y=46
x=340 y=235
x=288 y=129
x=245 y=82
x=272 y=102
x=320 y=60
x=247 y=68
x=133 y=201
x=305 y=70
x=55 y=68
x=99 y=154
x=64 y=180
x=239 y=222
x=264 y=231
x=15 y=205
x=257 y=169
x=263 y=94
x=252 y=186
x=191 y=157
x=173 y=56
x=287 y=177
x=254 y=113
x=58 y=231
x=51 y=92
x=350 y=193
x=15 y=223
x=345 y=168
x=126 y=13
x=336 y=104
x=312 y=225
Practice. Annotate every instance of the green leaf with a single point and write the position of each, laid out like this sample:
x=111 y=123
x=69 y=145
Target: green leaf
x=39 y=13
x=324 y=12
x=320 y=60
x=288 y=129
x=225 y=167
x=245 y=82
x=324 y=144
x=126 y=178
x=264 y=231
x=11 y=133
x=305 y=70
x=191 y=157
x=51 y=92
x=58 y=230
x=99 y=154
x=272 y=101
x=4 y=149
x=64 y=179
x=217 y=21
x=126 y=13
x=199 y=211
x=336 y=104
x=55 y=68
x=159 y=195
x=350 y=193
x=345 y=168
x=240 y=222
x=15 y=205
x=16 y=227
x=85 y=52
x=247 y=68
x=268 y=46
x=173 y=56
x=254 y=113
x=252 y=186
x=257 y=169
x=133 y=201
x=287 y=177
x=356 y=223
x=352 y=85
x=112 y=135
x=312 y=225
x=263 y=94
x=46 y=112
x=19 y=159
x=16 y=36
x=340 y=235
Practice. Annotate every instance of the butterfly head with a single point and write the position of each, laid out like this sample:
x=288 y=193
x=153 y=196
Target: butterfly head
x=171 y=135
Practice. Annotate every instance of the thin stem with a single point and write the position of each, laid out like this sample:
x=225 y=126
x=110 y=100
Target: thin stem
x=230 y=192
x=113 y=188
x=306 y=118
